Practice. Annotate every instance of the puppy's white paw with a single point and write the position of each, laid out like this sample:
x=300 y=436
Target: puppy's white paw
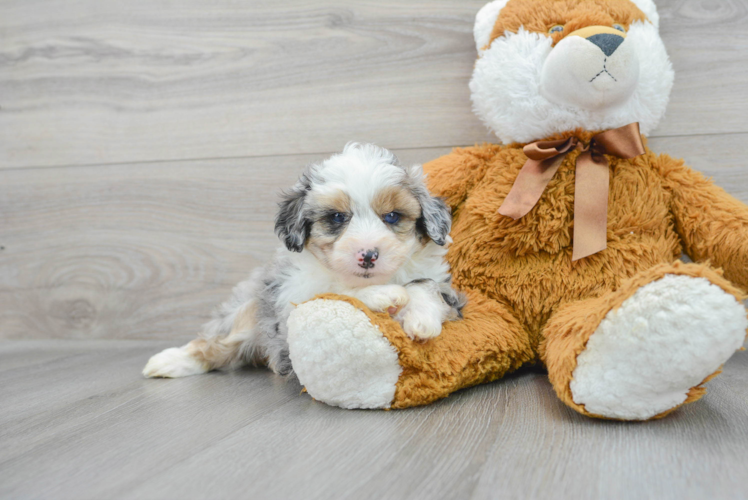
x=173 y=363
x=380 y=298
x=420 y=325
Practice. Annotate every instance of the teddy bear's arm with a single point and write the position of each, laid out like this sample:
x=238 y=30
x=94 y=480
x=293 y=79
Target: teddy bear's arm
x=453 y=176
x=712 y=224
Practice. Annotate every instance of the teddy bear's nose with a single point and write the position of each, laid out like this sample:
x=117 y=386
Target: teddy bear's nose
x=607 y=42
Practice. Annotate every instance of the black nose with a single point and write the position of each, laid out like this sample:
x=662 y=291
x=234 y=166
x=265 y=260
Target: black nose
x=367 y=260
x=607 y=42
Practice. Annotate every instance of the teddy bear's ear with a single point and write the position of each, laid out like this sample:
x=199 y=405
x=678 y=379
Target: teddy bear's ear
x=650 y=10
x=484 y=22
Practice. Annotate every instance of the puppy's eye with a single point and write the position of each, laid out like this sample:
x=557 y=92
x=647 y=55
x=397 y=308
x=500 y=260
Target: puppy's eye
x=619 y=27
x=338 y=218
x=391 y=218
x=556 y=29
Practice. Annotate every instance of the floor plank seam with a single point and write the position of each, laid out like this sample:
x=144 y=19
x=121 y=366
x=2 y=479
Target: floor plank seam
x=305 y=153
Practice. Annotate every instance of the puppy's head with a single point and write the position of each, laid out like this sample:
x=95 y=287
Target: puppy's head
x=362 y=214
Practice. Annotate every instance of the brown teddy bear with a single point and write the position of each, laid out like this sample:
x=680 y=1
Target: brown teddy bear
x=566 y=237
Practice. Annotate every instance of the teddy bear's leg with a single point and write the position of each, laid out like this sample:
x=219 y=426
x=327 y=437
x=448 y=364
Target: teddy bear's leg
x=645 y=349
x=345 y=355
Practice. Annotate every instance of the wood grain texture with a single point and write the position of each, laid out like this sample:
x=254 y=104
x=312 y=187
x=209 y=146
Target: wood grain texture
x=78 y=422
x=89 y=82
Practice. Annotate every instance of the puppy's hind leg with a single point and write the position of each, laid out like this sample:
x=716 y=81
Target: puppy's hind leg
x=174 y=362
x=228 y=341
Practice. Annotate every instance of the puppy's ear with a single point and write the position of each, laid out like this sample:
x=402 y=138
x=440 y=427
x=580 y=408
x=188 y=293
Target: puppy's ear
x=436 y=217
x=292 y=224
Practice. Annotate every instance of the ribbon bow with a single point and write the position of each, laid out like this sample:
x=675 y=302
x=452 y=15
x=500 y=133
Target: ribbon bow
x=590 y=186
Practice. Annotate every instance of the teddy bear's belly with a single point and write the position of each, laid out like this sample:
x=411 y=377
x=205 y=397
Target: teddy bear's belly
x=526 y=264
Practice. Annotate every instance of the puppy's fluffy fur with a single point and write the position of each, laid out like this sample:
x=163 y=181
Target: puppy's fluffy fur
x=357 y=224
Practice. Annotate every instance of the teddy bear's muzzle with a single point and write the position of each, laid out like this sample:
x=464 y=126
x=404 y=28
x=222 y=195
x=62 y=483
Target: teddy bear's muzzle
x=592 y=68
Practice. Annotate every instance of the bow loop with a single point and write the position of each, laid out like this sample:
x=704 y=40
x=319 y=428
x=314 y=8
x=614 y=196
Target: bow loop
x=624 y=142
x=542 y=150
x=590 y=186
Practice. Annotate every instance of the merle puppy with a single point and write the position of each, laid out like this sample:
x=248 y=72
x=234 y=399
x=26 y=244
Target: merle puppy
x=356 y=224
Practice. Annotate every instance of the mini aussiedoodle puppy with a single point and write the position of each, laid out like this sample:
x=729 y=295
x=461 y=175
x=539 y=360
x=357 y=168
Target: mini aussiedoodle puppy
x=356 y=224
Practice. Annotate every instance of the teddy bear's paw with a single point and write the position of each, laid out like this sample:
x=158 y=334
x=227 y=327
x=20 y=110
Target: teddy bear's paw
x=419 y=324
x=340 y=356
x=667 y=338
x=173 y=363
x=382 y=298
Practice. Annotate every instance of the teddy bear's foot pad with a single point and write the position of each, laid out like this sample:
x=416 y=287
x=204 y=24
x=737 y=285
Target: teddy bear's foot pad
x=646 y=355
x=340 y=356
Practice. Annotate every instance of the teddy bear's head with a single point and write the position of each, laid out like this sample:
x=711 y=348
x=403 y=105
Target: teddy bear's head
x=549 y=66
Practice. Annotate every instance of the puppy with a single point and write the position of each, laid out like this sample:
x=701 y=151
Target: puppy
x=357 y=224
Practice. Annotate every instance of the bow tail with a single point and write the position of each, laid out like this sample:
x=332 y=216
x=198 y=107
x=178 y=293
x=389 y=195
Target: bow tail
x=529 y=186
x=590 y=209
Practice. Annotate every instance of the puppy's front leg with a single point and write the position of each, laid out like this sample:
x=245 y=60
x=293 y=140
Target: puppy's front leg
x=427 y=309
x=381 y=298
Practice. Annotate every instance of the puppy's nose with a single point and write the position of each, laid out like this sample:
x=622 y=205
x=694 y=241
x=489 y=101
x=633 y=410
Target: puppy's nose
x=607 y=42
x=367 y=258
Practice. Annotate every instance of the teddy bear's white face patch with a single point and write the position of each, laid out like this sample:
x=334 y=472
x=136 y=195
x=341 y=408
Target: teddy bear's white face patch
x=524 y=90
x=593 y=68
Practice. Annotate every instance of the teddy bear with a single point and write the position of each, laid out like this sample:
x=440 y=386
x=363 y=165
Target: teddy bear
x=567 y=235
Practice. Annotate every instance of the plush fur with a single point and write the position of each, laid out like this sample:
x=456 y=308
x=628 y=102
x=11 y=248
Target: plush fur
x=361 y=374
x=506 y=84
x=627 y=333
x=619 y=373
x=358 y=223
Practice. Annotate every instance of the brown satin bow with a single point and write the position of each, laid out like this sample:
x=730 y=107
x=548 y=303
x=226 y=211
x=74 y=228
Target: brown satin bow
x=590 y=186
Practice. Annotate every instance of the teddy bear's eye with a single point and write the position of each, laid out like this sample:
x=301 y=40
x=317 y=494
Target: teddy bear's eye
x=556 y=29
x=619 y=27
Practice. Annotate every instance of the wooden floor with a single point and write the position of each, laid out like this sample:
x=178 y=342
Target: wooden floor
x=77 y=422
x=142 y=146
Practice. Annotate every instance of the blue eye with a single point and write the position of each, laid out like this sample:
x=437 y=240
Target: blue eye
x=391 y=218
x=556 y=29
x=619 y=27
x=338 y=218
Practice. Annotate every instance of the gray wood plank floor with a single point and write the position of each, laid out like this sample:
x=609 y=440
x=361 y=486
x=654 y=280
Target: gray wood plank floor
x=77 y=422
x=142 y=147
